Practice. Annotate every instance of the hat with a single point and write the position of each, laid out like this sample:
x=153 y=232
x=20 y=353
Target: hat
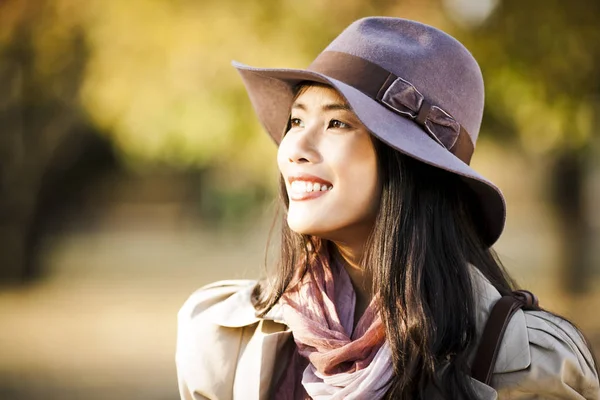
x=413 y=86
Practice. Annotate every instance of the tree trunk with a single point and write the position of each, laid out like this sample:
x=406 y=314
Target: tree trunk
x=568 y=180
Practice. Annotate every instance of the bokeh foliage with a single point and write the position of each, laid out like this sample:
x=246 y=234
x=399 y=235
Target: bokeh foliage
x=540 y=61
x=154 y=78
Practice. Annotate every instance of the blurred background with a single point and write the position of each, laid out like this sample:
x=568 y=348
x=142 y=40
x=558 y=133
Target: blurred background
x=133 y=170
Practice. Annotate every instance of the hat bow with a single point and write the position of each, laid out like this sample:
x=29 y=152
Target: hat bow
x=404 y=98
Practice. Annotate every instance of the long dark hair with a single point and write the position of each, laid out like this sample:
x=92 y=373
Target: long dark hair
x=423 y=244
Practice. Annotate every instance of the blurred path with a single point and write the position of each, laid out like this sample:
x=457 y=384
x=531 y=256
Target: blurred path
x=103 y=323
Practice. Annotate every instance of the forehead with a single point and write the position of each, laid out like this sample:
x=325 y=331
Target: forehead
x=318 y=95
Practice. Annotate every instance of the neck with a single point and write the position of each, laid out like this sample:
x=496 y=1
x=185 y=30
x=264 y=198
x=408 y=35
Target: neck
x=350 y=257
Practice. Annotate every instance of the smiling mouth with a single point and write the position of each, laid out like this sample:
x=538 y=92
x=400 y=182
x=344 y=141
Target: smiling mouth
x=303 y=190
x=299 y=186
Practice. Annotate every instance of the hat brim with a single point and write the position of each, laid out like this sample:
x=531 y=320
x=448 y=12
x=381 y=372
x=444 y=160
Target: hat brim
x=271 y=91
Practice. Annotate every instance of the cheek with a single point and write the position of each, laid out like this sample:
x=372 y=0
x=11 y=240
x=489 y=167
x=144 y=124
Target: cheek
x=282 y=159
x=358 y=179
x=361 y=187
x=358 y=161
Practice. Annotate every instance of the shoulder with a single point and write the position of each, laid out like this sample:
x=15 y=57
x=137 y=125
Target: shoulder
x=224 y=351
x=541 y=355
x=560 y=362
x=209 y=335
x=230 y=296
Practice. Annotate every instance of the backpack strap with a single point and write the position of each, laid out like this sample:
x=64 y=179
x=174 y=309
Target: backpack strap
x=491 y=338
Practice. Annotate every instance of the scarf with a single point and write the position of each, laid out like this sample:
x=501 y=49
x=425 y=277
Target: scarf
x=334 y=359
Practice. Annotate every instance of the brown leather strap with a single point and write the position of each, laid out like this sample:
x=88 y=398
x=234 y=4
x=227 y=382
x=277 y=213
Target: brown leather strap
x=489 y=345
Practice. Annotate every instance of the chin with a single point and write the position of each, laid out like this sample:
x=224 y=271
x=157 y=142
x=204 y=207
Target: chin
x=319 y=232
x=301 y=227
x=302 y=230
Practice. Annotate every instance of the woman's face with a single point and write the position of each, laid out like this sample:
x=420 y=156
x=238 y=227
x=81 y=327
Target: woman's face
x=329 y=165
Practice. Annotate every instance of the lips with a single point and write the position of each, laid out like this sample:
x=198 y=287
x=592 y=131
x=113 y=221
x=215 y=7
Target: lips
x=309 y=178
x=307 y=187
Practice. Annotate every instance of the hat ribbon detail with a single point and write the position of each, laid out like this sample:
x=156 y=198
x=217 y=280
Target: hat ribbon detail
x=398 y=95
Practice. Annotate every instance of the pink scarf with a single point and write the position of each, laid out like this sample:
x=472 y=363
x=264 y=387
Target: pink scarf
x=334 y=359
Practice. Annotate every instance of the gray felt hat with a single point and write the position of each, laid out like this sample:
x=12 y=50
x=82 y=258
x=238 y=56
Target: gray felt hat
x=413 y=86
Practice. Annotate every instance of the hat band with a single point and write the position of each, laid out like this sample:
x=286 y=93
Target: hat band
x=398 y=95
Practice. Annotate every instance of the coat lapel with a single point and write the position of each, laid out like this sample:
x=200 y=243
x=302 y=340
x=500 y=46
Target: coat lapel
x=262 y=340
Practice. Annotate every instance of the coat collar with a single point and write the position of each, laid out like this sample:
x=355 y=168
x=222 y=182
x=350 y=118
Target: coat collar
x=237 y=311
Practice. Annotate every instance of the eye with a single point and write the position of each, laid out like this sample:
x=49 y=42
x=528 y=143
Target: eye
x=295 y=122
x=337 y=124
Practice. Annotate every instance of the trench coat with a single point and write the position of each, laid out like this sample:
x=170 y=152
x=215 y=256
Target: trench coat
x=225 y=352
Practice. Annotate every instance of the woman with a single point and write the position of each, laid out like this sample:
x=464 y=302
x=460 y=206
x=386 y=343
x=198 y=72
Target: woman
x=386 y=276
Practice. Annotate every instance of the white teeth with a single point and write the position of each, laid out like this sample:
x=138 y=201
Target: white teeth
x=307 y=187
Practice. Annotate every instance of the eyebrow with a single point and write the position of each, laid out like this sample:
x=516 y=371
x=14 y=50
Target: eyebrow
x=325 y=107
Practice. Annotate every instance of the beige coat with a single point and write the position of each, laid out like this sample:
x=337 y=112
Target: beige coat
x=224 y=352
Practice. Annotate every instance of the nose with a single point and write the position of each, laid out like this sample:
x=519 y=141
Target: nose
x=301 y=146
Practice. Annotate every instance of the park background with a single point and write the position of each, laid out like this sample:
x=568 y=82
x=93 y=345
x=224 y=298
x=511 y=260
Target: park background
x=133 y=170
